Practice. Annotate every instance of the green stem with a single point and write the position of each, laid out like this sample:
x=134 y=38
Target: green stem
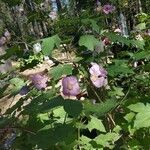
x=78 y=133
x=66 y=115
x=100 y=100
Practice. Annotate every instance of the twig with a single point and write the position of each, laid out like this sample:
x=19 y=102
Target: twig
x=20 y=128
x=100 y=100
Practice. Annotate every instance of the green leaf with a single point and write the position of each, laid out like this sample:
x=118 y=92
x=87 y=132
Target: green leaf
x=95 y=123
x=141 y=26
x=117 y=129
x=129 y=117
x=138 y=107
x=46 y=139
x=120 y=67
x=58 y=71
x=94 y=26
x=38 y=1
x=100 y=109
x=65 y=133
x=43 y=117
x=89 y=41
x=107 y=140
x=60 y=114
x=85 y=139
x=17 y=81
x=125 y=41
x=116 y=91
x=85 y=143
x=142 y=118
x=48 y=44
x=138 y=43
x=43 y=103
x=118 y=38
x=73 y=107
x=92 y=23
x=17 y=84
x=12 y=3
x=141 y=55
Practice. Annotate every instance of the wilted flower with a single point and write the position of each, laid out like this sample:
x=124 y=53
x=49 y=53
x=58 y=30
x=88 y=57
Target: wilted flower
x=135 y=64
x=139 y=37
x=118 y=30
x=7 y=34
x=148 y=32
x=98 y=6
x=7 y=66
x=108 y=9
x=24 y=90
x=53 y=15
x=50 y=62
x=98 y=3
x=106 y=41
x=70 y=86
x=39 y=81
x=37 y=48
x=98 y=75
x=2 y=41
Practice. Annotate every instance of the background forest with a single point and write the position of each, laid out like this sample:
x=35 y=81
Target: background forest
x=74 y=74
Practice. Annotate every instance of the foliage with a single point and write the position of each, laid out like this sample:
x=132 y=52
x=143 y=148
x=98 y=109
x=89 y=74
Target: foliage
x=88 y=41
x=107 y=106
x=48 y=44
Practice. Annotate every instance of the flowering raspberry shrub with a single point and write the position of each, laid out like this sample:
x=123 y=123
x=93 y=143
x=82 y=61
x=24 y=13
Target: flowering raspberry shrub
x=73 y=79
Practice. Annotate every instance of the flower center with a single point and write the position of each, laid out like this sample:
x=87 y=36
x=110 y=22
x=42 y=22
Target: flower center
x=94 y=77
x=69 y=86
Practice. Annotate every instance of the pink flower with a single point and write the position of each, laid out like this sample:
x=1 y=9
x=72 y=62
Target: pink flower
x=97 y=70
x=70 y=86
x=108 y=9
x=39 y=81
x=98 y=75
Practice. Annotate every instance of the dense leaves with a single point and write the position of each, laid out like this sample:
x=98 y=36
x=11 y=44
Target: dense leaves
x=89 y=41
x=49 y=43
x=142 y=118
x=74 y=75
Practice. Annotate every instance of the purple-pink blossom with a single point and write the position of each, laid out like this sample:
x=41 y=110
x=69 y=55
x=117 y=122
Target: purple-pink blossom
x=108 y=9
x=98 y=75
x=39 y=81
x=70 y=86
